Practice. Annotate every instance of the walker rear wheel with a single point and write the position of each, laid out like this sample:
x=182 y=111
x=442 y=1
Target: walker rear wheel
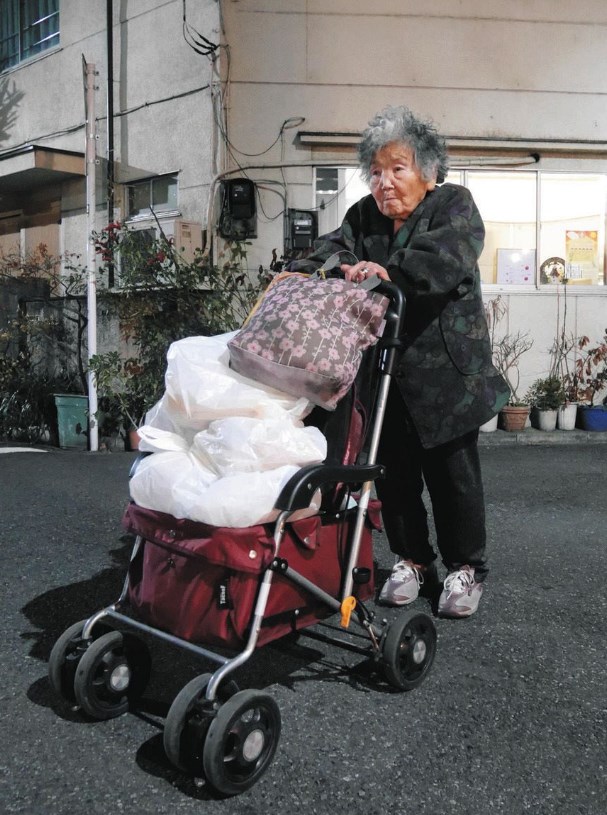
x=241 y=742
x=65 y=656
x=408 y=650
x=114 y=670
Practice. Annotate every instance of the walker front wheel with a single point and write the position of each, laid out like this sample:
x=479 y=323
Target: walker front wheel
x=408 y=650
x=187 y=722
x=241 y=742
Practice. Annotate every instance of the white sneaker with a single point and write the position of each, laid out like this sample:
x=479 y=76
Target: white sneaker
x=402 y=587
x=461 y=594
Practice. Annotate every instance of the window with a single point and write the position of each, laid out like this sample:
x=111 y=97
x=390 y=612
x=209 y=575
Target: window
x=336 y=189
x=572 y=227
x=158 y=194
x=508 y=205
x=27 y=27
x=540 y=227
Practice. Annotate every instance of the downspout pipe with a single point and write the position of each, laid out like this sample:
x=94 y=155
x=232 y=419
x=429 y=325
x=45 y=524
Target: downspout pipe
x=110 y=176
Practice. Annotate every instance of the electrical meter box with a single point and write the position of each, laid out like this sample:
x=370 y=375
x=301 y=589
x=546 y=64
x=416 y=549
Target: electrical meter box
x=238 y=217
x=302 y=229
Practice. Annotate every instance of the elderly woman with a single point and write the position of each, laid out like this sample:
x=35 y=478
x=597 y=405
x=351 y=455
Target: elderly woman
x=426 y=239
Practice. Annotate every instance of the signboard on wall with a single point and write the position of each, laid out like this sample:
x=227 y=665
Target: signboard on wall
x=581 y=253
x=516 y=266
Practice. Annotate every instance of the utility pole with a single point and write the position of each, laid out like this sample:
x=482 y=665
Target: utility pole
x=91 y=286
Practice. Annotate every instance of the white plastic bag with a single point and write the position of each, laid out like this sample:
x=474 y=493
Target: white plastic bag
x=223 y=446
x=201 y=387
x=169 y=482
x=178 y=484
x=154 y=440
x=244 y=444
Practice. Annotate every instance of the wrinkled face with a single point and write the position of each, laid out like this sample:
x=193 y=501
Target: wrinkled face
x=396 y=181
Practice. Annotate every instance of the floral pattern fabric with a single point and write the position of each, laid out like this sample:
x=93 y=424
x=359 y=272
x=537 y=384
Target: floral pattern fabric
x=307 y=336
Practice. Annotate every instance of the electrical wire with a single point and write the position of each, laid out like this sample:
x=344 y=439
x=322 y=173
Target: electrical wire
x=262 y=185
x=197 y=41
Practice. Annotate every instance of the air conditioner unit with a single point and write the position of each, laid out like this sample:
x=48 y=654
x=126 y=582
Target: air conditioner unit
x=186 y=235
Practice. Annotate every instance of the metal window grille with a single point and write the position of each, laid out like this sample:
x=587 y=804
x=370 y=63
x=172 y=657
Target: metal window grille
x=27 y=27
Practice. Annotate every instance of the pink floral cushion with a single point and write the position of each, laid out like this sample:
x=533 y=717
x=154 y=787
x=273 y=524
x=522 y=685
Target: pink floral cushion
x=306 y=336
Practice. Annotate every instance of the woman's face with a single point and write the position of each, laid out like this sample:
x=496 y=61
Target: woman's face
x=396 y=182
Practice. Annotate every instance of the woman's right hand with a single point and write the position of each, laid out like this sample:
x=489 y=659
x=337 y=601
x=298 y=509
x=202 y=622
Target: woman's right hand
x=362 y=270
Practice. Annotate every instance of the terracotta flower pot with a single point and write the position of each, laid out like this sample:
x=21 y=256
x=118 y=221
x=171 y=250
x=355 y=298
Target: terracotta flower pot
x=133 y=436
x=514 y=417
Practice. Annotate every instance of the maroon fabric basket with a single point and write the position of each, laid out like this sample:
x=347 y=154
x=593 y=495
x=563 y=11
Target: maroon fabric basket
x=200 y=582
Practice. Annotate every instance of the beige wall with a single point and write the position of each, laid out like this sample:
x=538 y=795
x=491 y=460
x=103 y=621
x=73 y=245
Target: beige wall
x=515 y=72
x=477 y=67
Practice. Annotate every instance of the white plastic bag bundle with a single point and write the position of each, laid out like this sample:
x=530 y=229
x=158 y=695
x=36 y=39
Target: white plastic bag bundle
x=178 y=484
x=169 y=482
x=201 y=387
x=223 y=446
x=244 y=444
x=154 y=440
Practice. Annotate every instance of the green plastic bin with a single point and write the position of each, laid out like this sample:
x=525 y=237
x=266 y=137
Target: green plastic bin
x=72 y=420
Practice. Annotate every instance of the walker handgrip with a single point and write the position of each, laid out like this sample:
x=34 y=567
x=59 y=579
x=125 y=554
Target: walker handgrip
x=300 y=488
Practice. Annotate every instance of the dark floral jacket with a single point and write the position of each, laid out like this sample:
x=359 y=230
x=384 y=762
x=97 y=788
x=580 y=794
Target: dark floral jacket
x=445 y=372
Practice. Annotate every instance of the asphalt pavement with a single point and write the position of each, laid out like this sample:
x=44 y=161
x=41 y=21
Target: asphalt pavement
x=512 y=717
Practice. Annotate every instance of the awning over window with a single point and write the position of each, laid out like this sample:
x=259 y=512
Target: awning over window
x=30 y=167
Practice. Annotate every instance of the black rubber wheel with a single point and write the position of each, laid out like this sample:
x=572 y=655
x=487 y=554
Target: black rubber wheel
x=113 y=671
x=65 y=656
x=186 y=724
x=408 y=650
x=241 y=742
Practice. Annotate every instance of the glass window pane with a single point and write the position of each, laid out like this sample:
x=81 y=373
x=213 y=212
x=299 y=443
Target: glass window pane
x=454 y=177
x=164 y=192
x=159 y=194
x=27 y=28
x=336 y=189
x=507 y=203
x=572 y=223
x=139 y=198
x=9 y=33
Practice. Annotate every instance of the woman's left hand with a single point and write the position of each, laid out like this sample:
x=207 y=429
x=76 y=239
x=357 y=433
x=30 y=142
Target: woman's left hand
x=362 y=270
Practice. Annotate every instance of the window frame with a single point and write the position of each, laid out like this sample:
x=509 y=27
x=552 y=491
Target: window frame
x=537 y=286
x=17 y=14
x=145 y=214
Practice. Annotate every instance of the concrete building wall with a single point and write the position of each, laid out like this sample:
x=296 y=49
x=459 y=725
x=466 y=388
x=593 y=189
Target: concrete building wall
x=162 y=97
x=518 y=76
x=525 y=74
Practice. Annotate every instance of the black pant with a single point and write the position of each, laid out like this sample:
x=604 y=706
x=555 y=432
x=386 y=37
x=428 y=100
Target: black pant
x=452 y=475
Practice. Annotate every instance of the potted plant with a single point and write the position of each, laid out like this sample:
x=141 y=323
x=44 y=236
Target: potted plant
x=507 y=353
x=545 y=397
x=562 y=365
x=121 y=405
x=590 y=382
x=495 y=310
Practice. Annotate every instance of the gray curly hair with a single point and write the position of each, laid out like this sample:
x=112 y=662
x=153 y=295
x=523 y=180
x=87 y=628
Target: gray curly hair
x=399 y=124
